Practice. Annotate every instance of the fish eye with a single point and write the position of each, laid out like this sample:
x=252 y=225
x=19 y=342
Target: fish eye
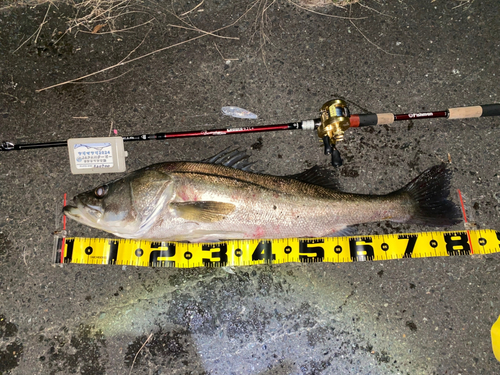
x=101 y=191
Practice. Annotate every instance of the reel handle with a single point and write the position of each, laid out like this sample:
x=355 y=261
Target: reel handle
x=330 y=149
x=336 y=158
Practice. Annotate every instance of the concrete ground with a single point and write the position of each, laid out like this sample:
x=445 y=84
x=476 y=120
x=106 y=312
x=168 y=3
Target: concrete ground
x=412 y=316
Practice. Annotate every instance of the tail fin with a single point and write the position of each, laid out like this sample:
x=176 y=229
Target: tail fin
x=428 y=195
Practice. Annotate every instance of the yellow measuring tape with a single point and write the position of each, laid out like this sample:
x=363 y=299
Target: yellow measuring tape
x=253 y=252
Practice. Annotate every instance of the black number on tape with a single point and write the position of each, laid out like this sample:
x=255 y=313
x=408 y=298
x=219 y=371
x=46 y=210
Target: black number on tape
x=112 y=252
x=360 y=249
x=412 y=240
x=68 y=251
x=264 y=251
x=457 y=244
x=221 y=254
x=318 y=253
x=159 y=257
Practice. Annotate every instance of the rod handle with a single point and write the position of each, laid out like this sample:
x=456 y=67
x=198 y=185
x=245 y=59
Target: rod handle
x=475 y=111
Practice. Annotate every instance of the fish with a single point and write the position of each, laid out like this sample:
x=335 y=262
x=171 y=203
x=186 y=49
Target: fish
x=222 y=199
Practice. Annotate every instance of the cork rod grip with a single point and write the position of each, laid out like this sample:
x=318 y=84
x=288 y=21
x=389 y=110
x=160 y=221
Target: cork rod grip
x=465 y=112
x=476 y=111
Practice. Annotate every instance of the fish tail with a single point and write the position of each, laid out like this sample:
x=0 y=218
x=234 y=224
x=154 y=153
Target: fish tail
x=428 y=195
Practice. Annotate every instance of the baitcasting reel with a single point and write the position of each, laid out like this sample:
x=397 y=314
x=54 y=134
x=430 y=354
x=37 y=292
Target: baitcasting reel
x=334 y=122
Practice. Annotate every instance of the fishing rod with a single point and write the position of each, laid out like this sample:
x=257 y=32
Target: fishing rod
x=334 y=121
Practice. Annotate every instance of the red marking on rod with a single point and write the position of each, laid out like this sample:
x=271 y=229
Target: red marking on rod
x=416 y=116
x=64 y=228
x=465 y=219
x=354 y=121
x=249 y=129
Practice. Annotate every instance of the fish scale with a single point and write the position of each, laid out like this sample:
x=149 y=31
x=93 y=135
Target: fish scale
x=199 y=202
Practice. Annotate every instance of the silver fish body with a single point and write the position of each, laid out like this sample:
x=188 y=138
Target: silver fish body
x=188 y=201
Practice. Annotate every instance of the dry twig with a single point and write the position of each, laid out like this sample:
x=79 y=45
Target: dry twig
x=221 y=55
x=24 y=256
x=104 y=80
x=374 y=10
x=101 y=11
x=324 y=14
x=118 y=31
x=192 y=10
x=136 y=354
x=372 y=43
x=204 y=32
x=121 y=63
x=111 y=128
x=43 y=23
x=37 y=32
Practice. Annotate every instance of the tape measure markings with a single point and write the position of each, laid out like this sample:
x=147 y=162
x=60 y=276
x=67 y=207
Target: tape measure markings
x=252 y=252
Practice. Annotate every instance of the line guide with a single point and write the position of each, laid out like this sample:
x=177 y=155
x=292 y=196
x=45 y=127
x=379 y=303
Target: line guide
x=252 y=252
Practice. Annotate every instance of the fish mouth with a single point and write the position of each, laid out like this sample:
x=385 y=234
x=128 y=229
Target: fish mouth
x=82 y=212
x=92 y=216
x=72 y=210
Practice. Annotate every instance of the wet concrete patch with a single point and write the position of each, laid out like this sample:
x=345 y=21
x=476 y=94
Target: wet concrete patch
x=11 y=348
x=83 y=352
x=165 y=349
x=5 y=247
x=217 y=305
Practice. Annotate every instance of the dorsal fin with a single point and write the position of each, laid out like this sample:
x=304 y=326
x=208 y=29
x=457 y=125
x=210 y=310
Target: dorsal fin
x=317 y=175
x=234 y=158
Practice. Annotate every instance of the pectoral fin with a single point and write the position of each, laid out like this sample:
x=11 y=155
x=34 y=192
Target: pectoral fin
x=204 y=211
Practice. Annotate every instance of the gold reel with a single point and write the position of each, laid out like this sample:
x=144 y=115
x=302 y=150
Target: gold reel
x=334 y=122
